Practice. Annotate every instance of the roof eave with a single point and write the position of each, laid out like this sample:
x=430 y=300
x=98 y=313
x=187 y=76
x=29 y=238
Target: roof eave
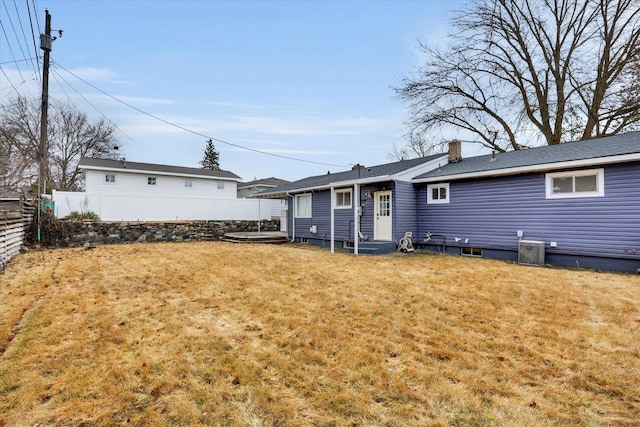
x=154 y=172
x=532 y=168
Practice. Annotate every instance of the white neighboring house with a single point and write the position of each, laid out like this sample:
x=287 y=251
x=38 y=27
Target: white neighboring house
x=278 y=207
x=120 y=190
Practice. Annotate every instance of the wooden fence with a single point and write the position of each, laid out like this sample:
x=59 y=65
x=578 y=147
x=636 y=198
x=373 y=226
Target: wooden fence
x=14 y=221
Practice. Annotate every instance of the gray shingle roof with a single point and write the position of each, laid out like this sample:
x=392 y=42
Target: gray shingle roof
x=90 y=163
x=383 y=172
x=545 y=157
x=265 y=182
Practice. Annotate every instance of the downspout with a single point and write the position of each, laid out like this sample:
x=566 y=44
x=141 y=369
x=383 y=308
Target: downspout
x=293 y=217
x=356 y=217
x=333 y=202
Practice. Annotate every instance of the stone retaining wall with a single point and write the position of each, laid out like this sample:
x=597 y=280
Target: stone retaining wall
x=100 y=233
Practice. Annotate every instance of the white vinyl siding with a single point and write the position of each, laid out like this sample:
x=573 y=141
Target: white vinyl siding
x=135 y=184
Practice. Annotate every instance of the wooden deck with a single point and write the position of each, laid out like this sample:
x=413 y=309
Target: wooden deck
x=257 y=237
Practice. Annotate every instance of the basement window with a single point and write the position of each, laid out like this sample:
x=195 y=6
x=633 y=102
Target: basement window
x=467 y=251
x=304 y=240
x=584 y=183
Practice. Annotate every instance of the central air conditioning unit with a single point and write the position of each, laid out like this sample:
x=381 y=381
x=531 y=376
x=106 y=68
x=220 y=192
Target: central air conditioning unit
x=531 y=252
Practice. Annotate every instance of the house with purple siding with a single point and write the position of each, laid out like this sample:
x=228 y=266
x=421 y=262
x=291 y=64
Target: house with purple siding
x=575 y=204
x=365 y=209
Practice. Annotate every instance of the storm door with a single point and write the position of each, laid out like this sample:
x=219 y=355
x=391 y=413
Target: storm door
x=383 y=223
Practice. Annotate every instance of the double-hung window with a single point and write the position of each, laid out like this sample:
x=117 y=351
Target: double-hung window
x=343 y=199
x=437 y=193
x=303 y=206
x=583 y=183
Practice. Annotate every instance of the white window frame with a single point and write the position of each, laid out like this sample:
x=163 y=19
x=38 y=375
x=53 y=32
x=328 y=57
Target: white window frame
x=340 y=199
x=220 y=185
x=431 y=187
x=549 y=177
x=110 y=178
x=188 y=183
x=303 y=214
x=151 y=180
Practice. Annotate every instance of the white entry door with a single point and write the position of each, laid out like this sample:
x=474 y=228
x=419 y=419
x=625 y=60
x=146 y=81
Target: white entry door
x=382 y=225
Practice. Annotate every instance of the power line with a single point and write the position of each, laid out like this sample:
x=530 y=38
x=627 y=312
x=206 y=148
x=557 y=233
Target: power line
x=57 y=75
x=4 y=31
x=33 y=36
x=195 y=132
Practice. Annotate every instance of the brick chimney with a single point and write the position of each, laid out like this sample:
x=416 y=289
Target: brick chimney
x=455 y=151
x=357 y=166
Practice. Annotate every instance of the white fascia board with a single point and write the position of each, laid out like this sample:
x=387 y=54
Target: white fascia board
x=343 y=184
x=407 y=175
x=152 y=172
x=533 y=168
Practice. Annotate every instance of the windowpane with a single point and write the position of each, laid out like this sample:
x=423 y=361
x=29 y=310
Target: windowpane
x=563 y=185
x=438 y=193
x=343 y=199
x=384 y=205
x=151 y=181
x=110 y=177
x=188 y=183
x=575 y=184
x=586 y=183
x=303 y=206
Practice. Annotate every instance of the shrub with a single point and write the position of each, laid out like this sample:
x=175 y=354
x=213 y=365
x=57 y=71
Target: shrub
x=82 y=216
x=52 y=230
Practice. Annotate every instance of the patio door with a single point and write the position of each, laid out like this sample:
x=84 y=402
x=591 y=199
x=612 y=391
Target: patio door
x=383 y=225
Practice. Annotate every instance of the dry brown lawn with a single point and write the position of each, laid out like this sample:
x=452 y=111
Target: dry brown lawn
x=258 y=335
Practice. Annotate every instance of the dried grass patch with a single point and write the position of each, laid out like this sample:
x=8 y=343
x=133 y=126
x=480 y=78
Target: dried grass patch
x=260 y=335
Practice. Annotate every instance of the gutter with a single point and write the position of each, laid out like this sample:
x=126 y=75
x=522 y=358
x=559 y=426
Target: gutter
x=293 y=217
x=543 y=167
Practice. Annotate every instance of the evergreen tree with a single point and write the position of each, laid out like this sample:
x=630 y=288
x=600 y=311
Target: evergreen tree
x=211 y=159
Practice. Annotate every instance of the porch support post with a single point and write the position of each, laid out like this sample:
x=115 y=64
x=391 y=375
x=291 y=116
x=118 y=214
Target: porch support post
x=333 y=202
x=356 y=217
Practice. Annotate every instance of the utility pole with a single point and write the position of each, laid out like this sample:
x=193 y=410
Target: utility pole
x=46 y=41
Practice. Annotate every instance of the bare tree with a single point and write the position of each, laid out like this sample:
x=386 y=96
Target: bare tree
x=19 y=136
x=417 y=146
x=73 y=136
x=523 y=72
x=70 y=136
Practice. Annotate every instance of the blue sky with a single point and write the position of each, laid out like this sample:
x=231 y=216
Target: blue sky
x=309 y=80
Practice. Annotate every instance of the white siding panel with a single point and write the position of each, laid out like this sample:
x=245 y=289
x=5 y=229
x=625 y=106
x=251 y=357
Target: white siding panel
x=161 y=207
x=172 y=186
